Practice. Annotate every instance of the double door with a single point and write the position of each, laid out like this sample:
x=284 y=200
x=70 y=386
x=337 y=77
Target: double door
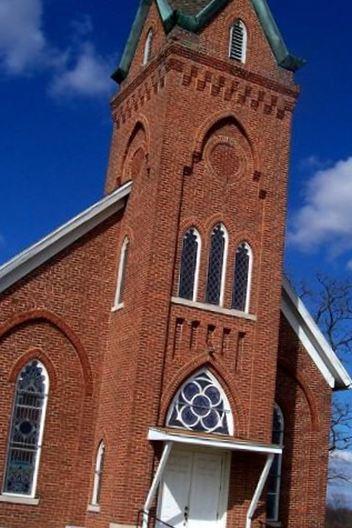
x=194 y=490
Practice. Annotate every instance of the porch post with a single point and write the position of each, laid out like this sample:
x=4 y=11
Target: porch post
x=259 y=490
x=156 y=481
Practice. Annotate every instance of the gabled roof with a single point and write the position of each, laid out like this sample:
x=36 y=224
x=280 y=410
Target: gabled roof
x=33 y=257
x=292 y=307
x=193 y=15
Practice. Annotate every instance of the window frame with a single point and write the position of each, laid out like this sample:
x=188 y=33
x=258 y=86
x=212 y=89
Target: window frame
x=98 y=474
x=148 y=46
x=197 y=266
x=277 y=494
x=224 y=266
x=243 y=58
x=249 y=278
x=39 y=446
x=121 y=275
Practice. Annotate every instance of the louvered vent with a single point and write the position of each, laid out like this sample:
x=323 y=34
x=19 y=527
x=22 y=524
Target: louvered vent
x=238 y=41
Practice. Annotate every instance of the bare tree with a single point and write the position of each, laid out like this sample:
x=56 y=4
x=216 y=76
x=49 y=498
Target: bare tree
x=330 y=301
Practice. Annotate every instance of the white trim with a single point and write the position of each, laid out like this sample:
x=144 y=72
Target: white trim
x=118 y=302
x=148 y=47
x=213 y=308
x=244 y=42
x=156 y=481
x=118 y=307
x=313 y=340
x=93 y=508
x=224 y=267
x=61 y=238
x=226 y=443
x=19 y=499
x=38 y=451
x=94 y=503
x=259 y=490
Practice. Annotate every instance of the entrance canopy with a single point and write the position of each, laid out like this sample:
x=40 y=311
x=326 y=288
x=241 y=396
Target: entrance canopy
x=201 y=440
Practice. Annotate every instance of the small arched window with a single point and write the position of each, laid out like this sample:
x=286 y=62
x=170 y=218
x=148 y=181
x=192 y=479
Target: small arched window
x=238 y=42
x=121 y=277
x=274 y=484
x=148 y=47
x=98 y=474
x=201 y=405
x=217 y=266
x=27 y=428
x=242 y=278
x=190 y=255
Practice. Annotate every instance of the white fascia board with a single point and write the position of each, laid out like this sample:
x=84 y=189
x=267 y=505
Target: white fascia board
x=201 y=441
x=61 y=238
x=313 y=339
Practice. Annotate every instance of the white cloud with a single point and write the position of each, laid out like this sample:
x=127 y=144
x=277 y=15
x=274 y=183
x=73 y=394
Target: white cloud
x=24 y=47
x=88 y=74
x=22 y=41
x=326 y=217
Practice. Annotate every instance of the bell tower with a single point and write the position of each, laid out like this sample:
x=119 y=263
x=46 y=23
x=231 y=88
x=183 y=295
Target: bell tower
x=202 y=125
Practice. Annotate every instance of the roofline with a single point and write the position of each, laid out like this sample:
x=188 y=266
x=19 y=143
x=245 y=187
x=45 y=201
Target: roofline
x=195 y=23
x=61 y=238
x=313 y=339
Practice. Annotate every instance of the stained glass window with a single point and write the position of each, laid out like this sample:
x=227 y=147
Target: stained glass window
x=98 y=473
x=201 y=405
x=148 y=47
x=121 y=278
x=216 y=265
x=243 y=264
x=189 y=263
x=274 y=483
x=26 y=430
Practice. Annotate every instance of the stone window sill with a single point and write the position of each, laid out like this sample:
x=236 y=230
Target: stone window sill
x=117 y=307
x=93 y=508
x=18 y=499
x=212 y=308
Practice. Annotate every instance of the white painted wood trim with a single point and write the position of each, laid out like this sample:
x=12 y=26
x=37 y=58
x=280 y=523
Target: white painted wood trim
x=259 y=490
x=61 y=238
x=212 y=308
x=19 y=499
x=304 y=321
x=221 y=443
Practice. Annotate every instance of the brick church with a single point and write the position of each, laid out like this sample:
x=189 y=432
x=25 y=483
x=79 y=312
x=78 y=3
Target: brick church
x=157 y=369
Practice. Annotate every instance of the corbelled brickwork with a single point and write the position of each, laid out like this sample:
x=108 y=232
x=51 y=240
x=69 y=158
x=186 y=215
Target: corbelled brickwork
x=205 y=141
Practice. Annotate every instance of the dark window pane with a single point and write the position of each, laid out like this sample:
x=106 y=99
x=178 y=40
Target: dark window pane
x=216 y=262
x=241 y=277
x=188 y=265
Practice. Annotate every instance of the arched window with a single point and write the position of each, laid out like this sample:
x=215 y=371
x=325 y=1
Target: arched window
x=27 y=427
x=190 y=265
x=148 y=47
x=98 y=474
x=238 y=41
x=121 y=277
x=274 y=484
x=201 y=405
x=242 y=278
x=217 y=265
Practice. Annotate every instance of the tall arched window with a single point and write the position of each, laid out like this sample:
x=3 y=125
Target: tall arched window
x=121 y=277
x=148 y=47
x=98 y=474
x=27 y=427
x=201 y=405
x=274 y=484
x=217 y=265
x=238 y=41
x=242 y=278
x=190 y=255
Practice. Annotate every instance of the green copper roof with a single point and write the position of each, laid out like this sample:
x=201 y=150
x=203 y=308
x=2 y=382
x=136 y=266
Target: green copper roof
x=193 y=15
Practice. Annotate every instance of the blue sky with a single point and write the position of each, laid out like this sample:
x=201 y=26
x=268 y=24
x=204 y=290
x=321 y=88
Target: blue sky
x=55 y=62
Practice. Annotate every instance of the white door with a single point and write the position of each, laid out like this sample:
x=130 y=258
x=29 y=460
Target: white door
x=193 y=493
